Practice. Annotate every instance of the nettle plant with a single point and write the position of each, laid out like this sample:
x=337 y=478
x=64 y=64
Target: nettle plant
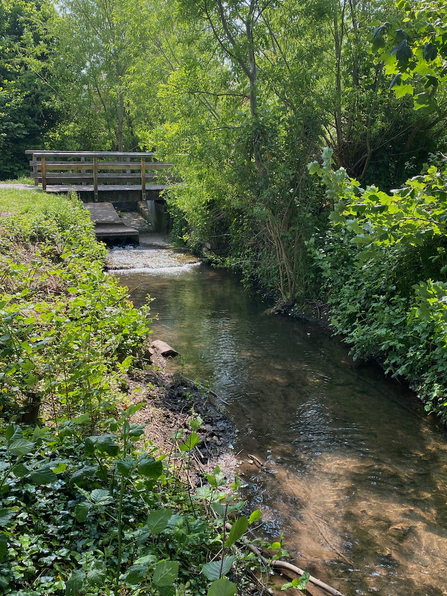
x=377 y=261
x=104 y=515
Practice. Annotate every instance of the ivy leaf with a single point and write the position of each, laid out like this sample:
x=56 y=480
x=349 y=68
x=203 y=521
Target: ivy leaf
x=222 y=587
x=165 y=573
x=239 y=528
x=5 y=516
x=212 y=570
x=157 y=521
x=3 y=545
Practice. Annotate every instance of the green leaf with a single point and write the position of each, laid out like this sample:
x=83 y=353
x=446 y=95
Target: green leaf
x=239 y=528
x=82 y=419
x=3 y=545
x=84 y=472
x=75 y=583
x=61 y=467
x=378 y=31
x=402 y=51
x=257 y=514
x=6 y=516
x=222 y=587
x=190 y=442
x=303 y=581
x=165 y=573
x=314 y=168
x=125 y=466
x=150 y=467
x=43 y=475
x=10 y=430
x=137 y=431
x=196 y=423
x=81 y=511
x=131 y=410
x=212 y=570
x=21 y=447
x=40 y=432
x=157 y=521
x=429 y=52
x=20 y=471
x=101 y=497
x=97 y=574
x=106 y=444
x=135 y=574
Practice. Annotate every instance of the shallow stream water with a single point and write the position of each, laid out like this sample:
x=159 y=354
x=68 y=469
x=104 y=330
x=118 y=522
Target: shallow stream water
x=355 y=476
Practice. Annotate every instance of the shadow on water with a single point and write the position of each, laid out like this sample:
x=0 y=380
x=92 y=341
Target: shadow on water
x=354 y=476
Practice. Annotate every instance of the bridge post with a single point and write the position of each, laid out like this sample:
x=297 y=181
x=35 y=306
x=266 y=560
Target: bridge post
x=95 y=179
x=143 y=178
x=44 y=172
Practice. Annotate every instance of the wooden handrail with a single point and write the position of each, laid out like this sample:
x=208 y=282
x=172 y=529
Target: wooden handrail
x=49 y=162
x=39 y=153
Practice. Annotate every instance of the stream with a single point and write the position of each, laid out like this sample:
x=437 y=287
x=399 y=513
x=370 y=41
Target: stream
x=355 y=475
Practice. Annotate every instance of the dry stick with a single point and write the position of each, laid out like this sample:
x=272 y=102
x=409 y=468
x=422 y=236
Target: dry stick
x=288 y=566
x=256 y=459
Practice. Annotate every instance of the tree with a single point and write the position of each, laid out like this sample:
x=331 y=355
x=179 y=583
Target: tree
x=96 y=52
x=414 y=51
x=27 y=109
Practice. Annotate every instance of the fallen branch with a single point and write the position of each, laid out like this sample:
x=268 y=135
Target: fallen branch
x=256 y=459
x=284 y=565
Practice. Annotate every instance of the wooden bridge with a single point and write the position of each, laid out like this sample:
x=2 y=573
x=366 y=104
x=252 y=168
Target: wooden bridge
x=126 y=181
x=99 y=175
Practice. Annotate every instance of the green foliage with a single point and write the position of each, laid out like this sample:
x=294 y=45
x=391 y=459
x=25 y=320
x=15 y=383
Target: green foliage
x=79 y=514
x=384 y=270
x=299 y=584
x=68 y=332
x=26 y=110
x=414 y=52
x=82 y=530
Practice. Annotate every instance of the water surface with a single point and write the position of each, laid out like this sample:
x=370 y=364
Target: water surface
x=354 y=476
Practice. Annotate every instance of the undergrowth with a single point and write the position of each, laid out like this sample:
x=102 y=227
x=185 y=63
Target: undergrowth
x=88 y=506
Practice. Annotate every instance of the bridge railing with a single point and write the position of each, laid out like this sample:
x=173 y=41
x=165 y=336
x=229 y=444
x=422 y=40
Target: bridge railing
x=95 y=168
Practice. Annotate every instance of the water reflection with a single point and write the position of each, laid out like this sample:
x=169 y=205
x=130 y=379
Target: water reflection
x=354 y=475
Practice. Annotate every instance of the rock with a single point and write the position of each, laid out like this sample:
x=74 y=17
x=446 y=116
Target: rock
x=164 y=348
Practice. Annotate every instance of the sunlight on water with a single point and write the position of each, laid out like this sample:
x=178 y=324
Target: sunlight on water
x=354 y=475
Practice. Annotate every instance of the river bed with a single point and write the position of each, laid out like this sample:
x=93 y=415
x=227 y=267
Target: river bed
x=355 y=476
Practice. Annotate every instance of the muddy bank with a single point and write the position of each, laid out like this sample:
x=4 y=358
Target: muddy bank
x=170 y=401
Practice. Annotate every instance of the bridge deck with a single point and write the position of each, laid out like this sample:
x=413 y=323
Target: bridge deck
x=63 y=188
x=108 y=223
